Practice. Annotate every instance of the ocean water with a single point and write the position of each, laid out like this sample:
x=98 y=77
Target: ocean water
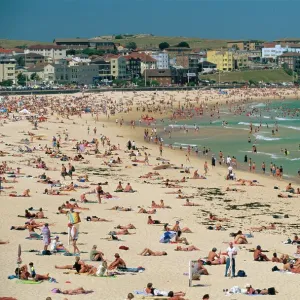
x=232 y=138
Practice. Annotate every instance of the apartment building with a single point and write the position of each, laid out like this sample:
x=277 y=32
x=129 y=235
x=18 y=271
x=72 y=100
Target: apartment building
x=273 y=51
x=162 y=60
x=7 y=69
x=133 y=67
x=118 y=67
x=245 y=44
x=83 y=43
x=52 y=51
x=292 y=60
x=103 y=68
x=223 y=59
x=63 y=73
x=147 y=62
x=163 y=77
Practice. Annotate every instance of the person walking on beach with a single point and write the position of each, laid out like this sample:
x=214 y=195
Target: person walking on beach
x=230 y=261
x=160 y=149
x=205 y=168
x=263 y=167
x=187 y=158
x=146 y=159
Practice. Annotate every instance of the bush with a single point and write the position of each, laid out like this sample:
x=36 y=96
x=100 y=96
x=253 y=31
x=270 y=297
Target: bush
x=183 y=45
x=119 y=37
x=131 y=45
x=8 y=82
x=163 y=45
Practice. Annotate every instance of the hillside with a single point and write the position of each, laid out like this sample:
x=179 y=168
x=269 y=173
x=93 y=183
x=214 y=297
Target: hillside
x=256 y=75
x=4 y=43
x=154 y=41
x=141 y=41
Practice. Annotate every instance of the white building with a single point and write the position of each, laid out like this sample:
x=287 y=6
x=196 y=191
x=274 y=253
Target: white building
x=162 y=60
x=53 y=51
x=278 y=50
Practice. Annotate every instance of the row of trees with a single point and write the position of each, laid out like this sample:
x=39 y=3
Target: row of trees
x=165 y=45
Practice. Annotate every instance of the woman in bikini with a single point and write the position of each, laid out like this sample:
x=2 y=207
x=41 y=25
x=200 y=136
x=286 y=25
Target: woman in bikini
x=188 y=203
x=240 y=238
x=144 y=211
x=189 y=248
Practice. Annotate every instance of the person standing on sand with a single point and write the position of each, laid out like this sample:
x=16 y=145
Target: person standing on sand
x=45 y=232
x=230 y=261
x=99 y=192
x=263 y=167
x=160 y=149
x=205 y=168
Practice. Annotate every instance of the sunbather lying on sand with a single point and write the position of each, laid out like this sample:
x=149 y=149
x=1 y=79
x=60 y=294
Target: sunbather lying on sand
x=149 y=252
x=189 y=248
x=121 y=232
x=120 y=208
x=3 y=242
x=180 y=196
x=280 y=195
x=175 y=192
x=25 y=194
x=62 y=211
x=258 y=229
x=54 y=192
x=149 y=175
x=144 y=211
x=129 y=226
x=216 y=259
x=188 y=203
x=78 y=291
x=79 y=266
x=150 y=221
x=245 y=182
x=96 y=219
x=170 y=185
x=215 y=218
x=228 y=189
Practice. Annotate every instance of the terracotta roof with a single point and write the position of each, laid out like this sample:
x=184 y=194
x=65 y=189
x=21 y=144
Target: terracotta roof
x=142 y=56
x=17 y=50
x=269 y=45
x=36 y=68
x=52 y=46
x=6 y=51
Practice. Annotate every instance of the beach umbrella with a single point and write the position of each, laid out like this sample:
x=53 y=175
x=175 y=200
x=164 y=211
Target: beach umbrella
x=24 y=111
x=167 y=236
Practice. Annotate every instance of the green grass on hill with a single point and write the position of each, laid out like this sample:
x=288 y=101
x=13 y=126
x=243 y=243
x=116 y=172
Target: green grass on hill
x=142 y=42
x=256 y=75
x=4 y=43
x=154 y=41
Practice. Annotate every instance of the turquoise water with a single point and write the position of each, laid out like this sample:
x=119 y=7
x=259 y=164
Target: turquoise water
x=232 y=138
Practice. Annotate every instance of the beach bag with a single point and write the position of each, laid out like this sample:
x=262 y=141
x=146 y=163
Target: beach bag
x=275 y=269
x=73 y=169
x=46 y=252
x=235 y=290
x=271 y=291
x=241 y=273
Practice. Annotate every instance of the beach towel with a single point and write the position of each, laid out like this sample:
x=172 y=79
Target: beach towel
x=167 y=236
x=131 y=270
x=28 y=281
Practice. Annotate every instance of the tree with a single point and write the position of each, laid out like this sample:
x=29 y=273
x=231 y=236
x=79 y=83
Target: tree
x=35 y=76
x=21 y=61
x=91 y=51
x=71 y=52
x=22 y=46
x=163 y=45
x=235 y=47
x=131 y=45
x=21 y=79
x=8 y=82
x=119 y=37
x=183 y=45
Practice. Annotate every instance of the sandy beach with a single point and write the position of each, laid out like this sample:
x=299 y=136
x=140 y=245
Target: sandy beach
x=251 y=206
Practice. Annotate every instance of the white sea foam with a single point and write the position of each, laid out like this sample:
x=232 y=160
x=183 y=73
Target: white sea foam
x=273 y=156
x=192 y=145
x=254 y=124
x=286 y=119
x=292 y=127
x=265 y=138
x=258 y=105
